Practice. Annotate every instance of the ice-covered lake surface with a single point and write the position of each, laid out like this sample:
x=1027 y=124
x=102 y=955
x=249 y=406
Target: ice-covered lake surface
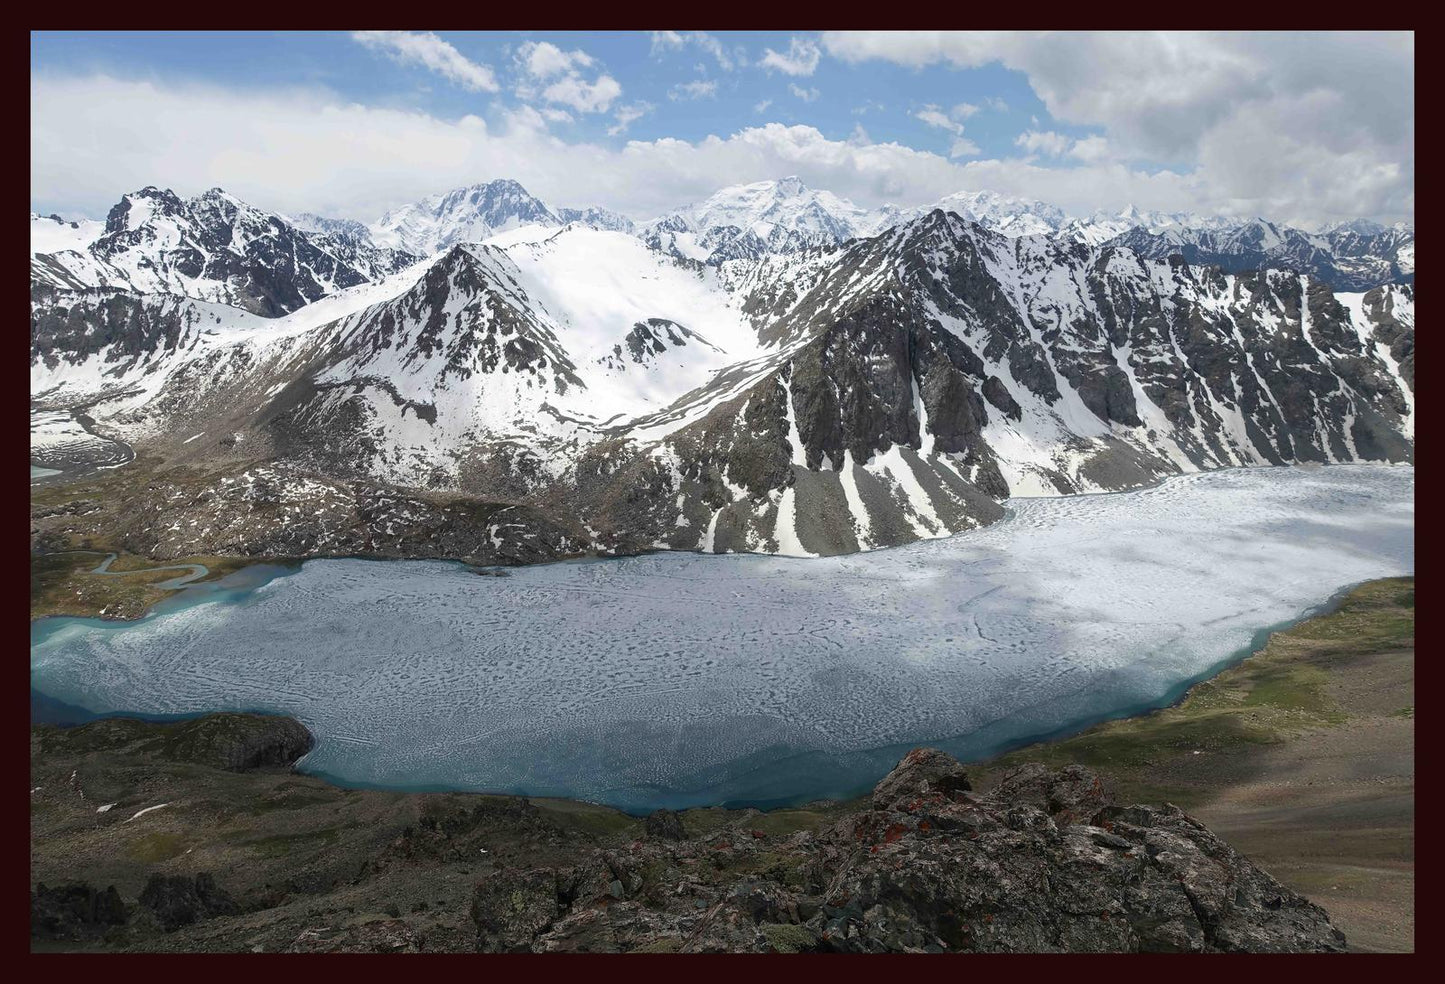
x=684 y=679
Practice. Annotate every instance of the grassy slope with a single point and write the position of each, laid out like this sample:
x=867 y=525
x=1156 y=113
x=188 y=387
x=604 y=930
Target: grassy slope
x=1302 y=756
x=61 y=583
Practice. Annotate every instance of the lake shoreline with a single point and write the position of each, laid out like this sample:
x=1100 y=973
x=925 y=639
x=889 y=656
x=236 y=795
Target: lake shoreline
x=57 y=712
x=502 y=568
x=1369 y=907
x=906 y=607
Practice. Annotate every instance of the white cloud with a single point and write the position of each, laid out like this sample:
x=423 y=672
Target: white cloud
x=1310 y=125
x=1044 y=142
x=963 y=111
x=94 y=138
x=542 y=59
x=935 y=117
x=801 y=58
x=549 y=74
x=963 y=147
x=627 y=115
x=807 y=95
x=583 y=96
x=996 y=104
x=762 y=107
x=552 y=115
x=697 y=89
x=431 y=52
x=675 y=41
x=1094 y=148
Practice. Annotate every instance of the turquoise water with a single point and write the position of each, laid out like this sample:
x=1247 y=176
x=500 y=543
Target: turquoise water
x=683 y=679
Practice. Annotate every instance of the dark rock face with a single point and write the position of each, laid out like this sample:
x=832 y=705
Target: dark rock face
x=997 y=394
x=1042 y=863
x=665 y=825
x=178 y=900
x=924 y=773
x=219 y=248
x=239 y=742
x=74 y=911
x=224 y=740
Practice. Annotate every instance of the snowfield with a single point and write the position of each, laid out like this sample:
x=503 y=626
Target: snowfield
x=682 y=679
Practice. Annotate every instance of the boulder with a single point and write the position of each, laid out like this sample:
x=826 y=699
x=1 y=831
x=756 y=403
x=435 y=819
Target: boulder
x=180 y=900
x=74 y=910
x=923 y=774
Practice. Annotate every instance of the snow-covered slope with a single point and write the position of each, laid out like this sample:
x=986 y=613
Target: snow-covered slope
x=748 y=221
x=216 y=248
x=463 y=215
x=822 y=399
x=52 y=234
x=1355 y=256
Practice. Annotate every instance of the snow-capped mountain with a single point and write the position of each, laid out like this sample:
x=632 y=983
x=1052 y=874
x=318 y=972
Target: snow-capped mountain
x=564 y=390
x=748 y=221
x=217 y=248
x=463 y=215
x=1000 y=213
x=597 y=218
x=310 y=222
x=52 y=234
x=480 y=212
x=1344 y=257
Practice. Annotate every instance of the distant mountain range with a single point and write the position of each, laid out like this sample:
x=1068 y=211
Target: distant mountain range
x=483 y=376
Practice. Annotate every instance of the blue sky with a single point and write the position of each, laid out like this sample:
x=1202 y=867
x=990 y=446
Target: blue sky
x=637 y=121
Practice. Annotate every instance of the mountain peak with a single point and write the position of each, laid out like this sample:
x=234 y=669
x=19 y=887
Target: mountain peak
x=790 y=187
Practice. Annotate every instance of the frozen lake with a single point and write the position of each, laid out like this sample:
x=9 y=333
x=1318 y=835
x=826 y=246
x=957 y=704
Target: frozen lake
x=684 y=679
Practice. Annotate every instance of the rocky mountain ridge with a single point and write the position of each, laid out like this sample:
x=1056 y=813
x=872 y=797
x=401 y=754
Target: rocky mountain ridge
x=811 y=400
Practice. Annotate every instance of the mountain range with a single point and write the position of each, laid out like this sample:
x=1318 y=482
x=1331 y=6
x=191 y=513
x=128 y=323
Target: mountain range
x=486 y=377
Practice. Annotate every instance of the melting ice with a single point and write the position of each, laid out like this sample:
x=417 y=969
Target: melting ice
x=685 y=679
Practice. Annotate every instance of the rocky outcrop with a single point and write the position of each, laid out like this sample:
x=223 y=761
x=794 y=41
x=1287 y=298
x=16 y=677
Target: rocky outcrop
x=74 y=911
x=238 y=742
x=1043 y=862
x=179 y=900
x=228 y=741
x=1031 y=859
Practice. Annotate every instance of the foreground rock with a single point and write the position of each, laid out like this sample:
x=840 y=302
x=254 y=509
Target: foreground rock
x=157 y=840
x=1045 y=862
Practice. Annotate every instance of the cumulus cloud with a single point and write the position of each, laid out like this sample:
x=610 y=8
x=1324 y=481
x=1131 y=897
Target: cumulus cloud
x=547 y=73
x=585 y=97
x=542 y=59
x=1044 y=142
x=807 y=95
x=663 y=41
x=1309 y=125
x=1094 y=148
x=935 y=117
x=94 y=138
x=963 y=147
x=801 y=58
x=627 y=115
x=430 y=52
x=697 y=89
